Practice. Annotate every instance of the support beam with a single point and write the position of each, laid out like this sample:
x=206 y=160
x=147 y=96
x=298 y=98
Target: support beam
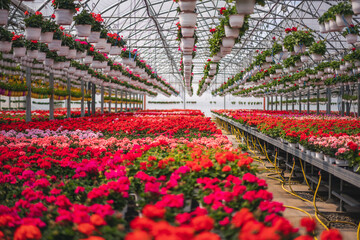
x=82 y=99
x=89 y=102
x=272 y=103
x=276 y=105
x=126 y=102
x=122 y=98
x=328 y=106
x=317 y=100
x=293 y=102
x=116 y=101
x=281 y=103
x=287 y=103
x=110 y=99
x=347 y=103
x=102 y=99
x=93 y=100
x=300 y=102
x=68 y=103
x=308 y=101
x=28 y=95
x=358 y=97
x=342 y=101
x=51 y=107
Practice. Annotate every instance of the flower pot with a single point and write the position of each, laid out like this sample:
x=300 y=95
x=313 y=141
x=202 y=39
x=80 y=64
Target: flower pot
x=187 y=6
x=187 y=60
x=322 y=28
x=343 y=67
x=32 y=33
x=231 y=32
x=319 y=155
x=96 y=64
x=341 y=163
x=71 y=54
x=340 y=20
x=187 y=19
x=299 y=49
x=308 y=152
x=269 y=59
x=298 y=64
x=19 y=51
x=32 y=54
x=245 y=6
x=4 y=16
x=304 y=59
x=41 y=56
x=351 y=38
x=58 y=65
x=355 y=6
x=55 y=45
x=63 y=51
x=224 y=51
x=187 y=43
x=107 y=48
x=293 y=69
x=327 y=26
x=46 y=37
x=228 y=42
x=301 y=147
x=49 y=62
x=333 y=26
x=83 y=30
x=115 y=50
x=187 y=32
x=94 y=37
x=216 y=58
x=101 y=44
x=293 y=145
x=316 y=57
x=236 y=21
x=63 y=16
x=313 y=154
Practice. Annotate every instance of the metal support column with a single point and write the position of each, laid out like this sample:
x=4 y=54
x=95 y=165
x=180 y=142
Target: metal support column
x=342 y=101
x=28 y=95
x=300 y=102
x=89 y=102
x=102 y=99
x=116 y=100
x=126 y=102
x=51 y=107
x=272 y=103
x=347 y=103
x=121 y=102
x=328 y=105
x=281 y=103
x=82 y=98
x=68 y=105
x=293 y=102
x=267 y=103
x=93 y=99
x=317 y=101
x=276 y=104
x=358 y=102
x=308 y=101
x=287 y=103
x=110 y=100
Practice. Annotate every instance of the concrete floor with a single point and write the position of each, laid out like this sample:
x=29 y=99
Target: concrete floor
x=287 y=199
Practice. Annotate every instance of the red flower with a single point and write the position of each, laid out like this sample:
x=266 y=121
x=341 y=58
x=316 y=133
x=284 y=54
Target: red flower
x=308 y=223
x=222 y=10
x=53 y=16
x=26 y=13
x=331 y=234
x=38 y=13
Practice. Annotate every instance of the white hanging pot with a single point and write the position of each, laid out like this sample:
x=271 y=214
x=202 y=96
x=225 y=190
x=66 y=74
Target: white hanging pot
x=187 y=60
x=316 y=57
x=351 y=38
x=228 y=42
x=41 y=56
x=340 y=20
x=63 y=51
x=46 y=37
x=224 y=51
x=101 y=44
x=357 y=63
x=355 y=6
x=187 y=43
x=187 y=5
x=231 y=32
x=32 y=54
x=293 y=69
x=83 y=30
x=63 y=16
x=107 y=48
x=304 y=59
x=343 y=67
x=5 y=46
x=115 y=50
x=19 y=51
x=55 y=45
x=322 y=28
x=58 y=65
x=348 y=64
x=245 y=6
x=94 y=37
x=4 y=16
x=236 y=21
x=299 y=49
x=71 y=70
x=71 y=54
x=32 y=33
x=216 y=57
x=269 y=59
x=187 y=32
x=49 y=62
x=333 y=26
x=298 y=64
x=187 y=19
x=327 y=26
x=96 y=64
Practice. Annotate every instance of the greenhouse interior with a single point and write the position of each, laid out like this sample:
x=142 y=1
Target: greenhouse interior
x=180 y=119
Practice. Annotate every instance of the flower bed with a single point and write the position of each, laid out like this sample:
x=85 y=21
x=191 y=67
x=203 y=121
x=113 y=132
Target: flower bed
x=335 y=136
x=85 y=180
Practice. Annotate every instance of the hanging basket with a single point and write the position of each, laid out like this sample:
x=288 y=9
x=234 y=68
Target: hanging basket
x=299 y=49
x=107 y=48
x=351 y=38
x=236 y=21
x=63 y=16
x=32 y=54
x=187 y=60
x=187 y=43
x=4 y=16
x=49 y=62
x=101 y=44
x=217 y=57
x=187 y=5
x=19 y=51
x=55 y=45
x=355 y=6
x=88 y=59
x=333 y=26
x=327 y=26
x=46 y=37
x=316 y=57
x=187 y=19
x=340 y=21
x=269 y=59
x=32 y=33
x=228 y=42
x=187 y=32
x=83 y=30
x=231 y=32
x=41 y=56
x=304 y=59
x=58 y=65
x=71 y=54
x=245 y=6
x=63 y=51
x=322 y=28
x=115 y=50
x=94 y=37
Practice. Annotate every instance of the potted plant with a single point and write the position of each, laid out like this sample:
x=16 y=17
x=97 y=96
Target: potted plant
x=32 y=49
x=33 y=24
x=67 y=42
x=18 y=45
x=64 y=11
x=83 y=23
x=96 y=28
x=188 y=19
x=351 y=34
x=101 y=44
x=99 y=60
x=50 y=57
x=4 y=11
x=232 y=19
x=302 y=39
x=317 y=50
x=355 y=6
x=343 y=12
x=89 y=56
x=5 y=40
x=321 y=21
x=55 y=45
x=43 y=49
x=47 y=31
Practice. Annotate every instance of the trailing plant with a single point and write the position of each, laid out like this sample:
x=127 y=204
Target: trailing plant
x=343 y=9
x=352 y=29
x=58 y=33
x=99 y=57
x=48 y=26
x=84 y=18
x=318 y=48
x=34 y=20
x=67 y=40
